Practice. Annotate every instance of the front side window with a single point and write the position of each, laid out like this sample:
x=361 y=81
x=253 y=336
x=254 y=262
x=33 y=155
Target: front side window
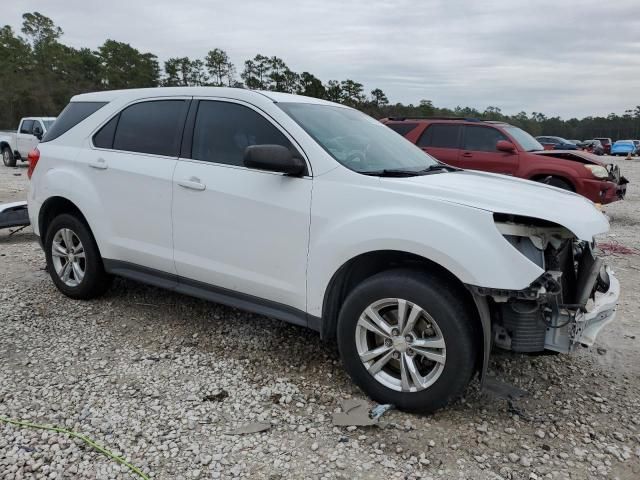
x=26 y=127
x=441 y=136
x=223 y=131
x=153 y=127
x=482 y=139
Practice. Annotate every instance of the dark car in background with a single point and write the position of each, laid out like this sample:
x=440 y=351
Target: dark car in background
x=606 y=144
x=593 y=146
x=498 y=147
x=556 y=143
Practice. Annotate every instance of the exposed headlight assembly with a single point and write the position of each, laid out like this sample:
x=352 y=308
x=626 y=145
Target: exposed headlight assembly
x=597 y=171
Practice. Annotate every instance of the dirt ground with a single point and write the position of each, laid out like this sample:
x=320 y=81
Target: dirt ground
x=162 y=379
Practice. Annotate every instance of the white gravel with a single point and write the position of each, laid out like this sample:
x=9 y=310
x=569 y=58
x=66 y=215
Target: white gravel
x=162 y=378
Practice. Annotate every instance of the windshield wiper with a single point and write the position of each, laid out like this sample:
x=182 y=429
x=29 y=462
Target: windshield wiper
x=399 y=172
x=392 y=172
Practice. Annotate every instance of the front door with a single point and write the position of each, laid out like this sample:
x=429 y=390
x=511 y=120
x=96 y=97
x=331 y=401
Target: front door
x=236 y=228
x=479 y=151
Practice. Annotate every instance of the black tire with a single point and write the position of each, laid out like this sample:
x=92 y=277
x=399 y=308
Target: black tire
x=557 y=182
x=95 y=281
x=8 y=158
x=452 y=316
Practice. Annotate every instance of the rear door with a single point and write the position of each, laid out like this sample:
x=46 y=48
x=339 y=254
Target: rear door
x=479 y=151
x=131 y=167
x=25 y=139
x=442 y=141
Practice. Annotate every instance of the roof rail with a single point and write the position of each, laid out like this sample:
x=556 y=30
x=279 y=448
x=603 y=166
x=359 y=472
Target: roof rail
x=467 y=119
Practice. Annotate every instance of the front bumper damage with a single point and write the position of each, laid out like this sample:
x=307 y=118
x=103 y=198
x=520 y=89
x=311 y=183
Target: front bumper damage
x=567 y=306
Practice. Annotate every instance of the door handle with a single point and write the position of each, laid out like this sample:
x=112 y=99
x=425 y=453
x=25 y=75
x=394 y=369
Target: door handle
x=192 y=183
x=100 y=164
x=467 y=154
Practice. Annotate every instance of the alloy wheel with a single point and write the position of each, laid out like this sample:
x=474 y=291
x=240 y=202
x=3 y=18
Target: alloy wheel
x=400 y=345
x=68 y=256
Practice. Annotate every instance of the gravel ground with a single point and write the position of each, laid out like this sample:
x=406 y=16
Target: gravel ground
x=161 y=379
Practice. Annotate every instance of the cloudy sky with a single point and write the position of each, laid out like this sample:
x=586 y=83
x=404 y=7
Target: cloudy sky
x=567 y=58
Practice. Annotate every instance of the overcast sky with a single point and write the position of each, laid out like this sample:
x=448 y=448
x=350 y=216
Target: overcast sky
x=567 y=58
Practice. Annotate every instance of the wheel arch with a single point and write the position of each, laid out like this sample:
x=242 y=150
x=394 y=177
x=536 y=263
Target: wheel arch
x=54 y=206
x=541 y=176
x=365 y=265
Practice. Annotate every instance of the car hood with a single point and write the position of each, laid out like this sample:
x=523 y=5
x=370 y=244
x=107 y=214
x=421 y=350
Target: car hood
x=585 y=158
x=503 y=194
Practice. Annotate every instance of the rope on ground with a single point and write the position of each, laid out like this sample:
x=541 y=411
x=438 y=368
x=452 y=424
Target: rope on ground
x=81 y=437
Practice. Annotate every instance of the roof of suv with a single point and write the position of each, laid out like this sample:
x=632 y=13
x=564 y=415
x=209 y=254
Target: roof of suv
x=237 y=93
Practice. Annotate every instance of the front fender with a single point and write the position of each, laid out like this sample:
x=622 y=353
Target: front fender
x=463 y=240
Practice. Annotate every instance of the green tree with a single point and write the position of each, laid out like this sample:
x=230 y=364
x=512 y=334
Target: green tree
x=123 y=66
x=352 y=93
x=311 y=86
x=379 y=98
x=221 y=70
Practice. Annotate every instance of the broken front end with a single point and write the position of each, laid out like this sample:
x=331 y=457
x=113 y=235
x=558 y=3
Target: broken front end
x=566 y=306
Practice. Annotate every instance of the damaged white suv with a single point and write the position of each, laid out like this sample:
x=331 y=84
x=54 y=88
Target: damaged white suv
x=316 y=214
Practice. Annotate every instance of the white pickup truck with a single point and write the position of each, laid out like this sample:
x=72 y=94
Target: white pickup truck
x=16 y=145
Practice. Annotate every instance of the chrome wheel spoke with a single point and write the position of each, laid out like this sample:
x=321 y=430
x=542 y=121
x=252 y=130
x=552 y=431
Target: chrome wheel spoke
x=411 y=321
x=417 y=379
x=436 y=355
x=67 y=237
x=379 y=364
x=58 y=250
x=66 y=272
x=435 y=342
x=372 y=321
x=404 y=373
x=78 y=274
x=402 y=314
x=375 y=353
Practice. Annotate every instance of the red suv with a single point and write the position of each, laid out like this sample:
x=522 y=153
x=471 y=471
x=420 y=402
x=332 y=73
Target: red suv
x=502 y=148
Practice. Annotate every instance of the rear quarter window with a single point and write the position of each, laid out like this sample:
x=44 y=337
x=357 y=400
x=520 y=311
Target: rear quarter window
x=441 y=136
x=72 y=115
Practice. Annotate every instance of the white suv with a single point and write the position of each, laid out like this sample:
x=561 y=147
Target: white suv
x=316 y=214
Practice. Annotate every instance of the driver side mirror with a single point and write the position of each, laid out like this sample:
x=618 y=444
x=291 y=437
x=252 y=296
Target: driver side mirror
x=37 y=132
x=505 y=146
x=274 y=158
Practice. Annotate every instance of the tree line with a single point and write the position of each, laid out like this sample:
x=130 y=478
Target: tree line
x=39 y=74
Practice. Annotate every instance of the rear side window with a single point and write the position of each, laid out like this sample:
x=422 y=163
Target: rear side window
x=441 y=136
x=153 y=127
x=482 y=139
x=27 y=126
x=104 y=137
x=402 y=128
x=224 y=130
x=72 y=115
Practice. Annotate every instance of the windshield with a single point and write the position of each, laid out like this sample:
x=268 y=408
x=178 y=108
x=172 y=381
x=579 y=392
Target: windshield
x=624 y=142
x=356 y=140
x=47 y=124
x=526 y=141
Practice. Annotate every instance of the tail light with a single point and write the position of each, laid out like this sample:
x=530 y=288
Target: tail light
x=32 y=159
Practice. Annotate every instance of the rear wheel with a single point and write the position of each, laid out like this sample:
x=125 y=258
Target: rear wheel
x=7 y=157
x=73 y=259
x=406 y=339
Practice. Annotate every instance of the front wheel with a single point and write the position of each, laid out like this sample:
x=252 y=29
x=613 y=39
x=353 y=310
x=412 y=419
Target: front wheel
x=7 y=157
x=405 y=338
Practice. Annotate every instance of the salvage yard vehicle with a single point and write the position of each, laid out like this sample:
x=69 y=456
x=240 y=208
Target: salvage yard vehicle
x=624 y=148
x=17 y=145
x=556 y=143
x=316 y=214
x=502 y=148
